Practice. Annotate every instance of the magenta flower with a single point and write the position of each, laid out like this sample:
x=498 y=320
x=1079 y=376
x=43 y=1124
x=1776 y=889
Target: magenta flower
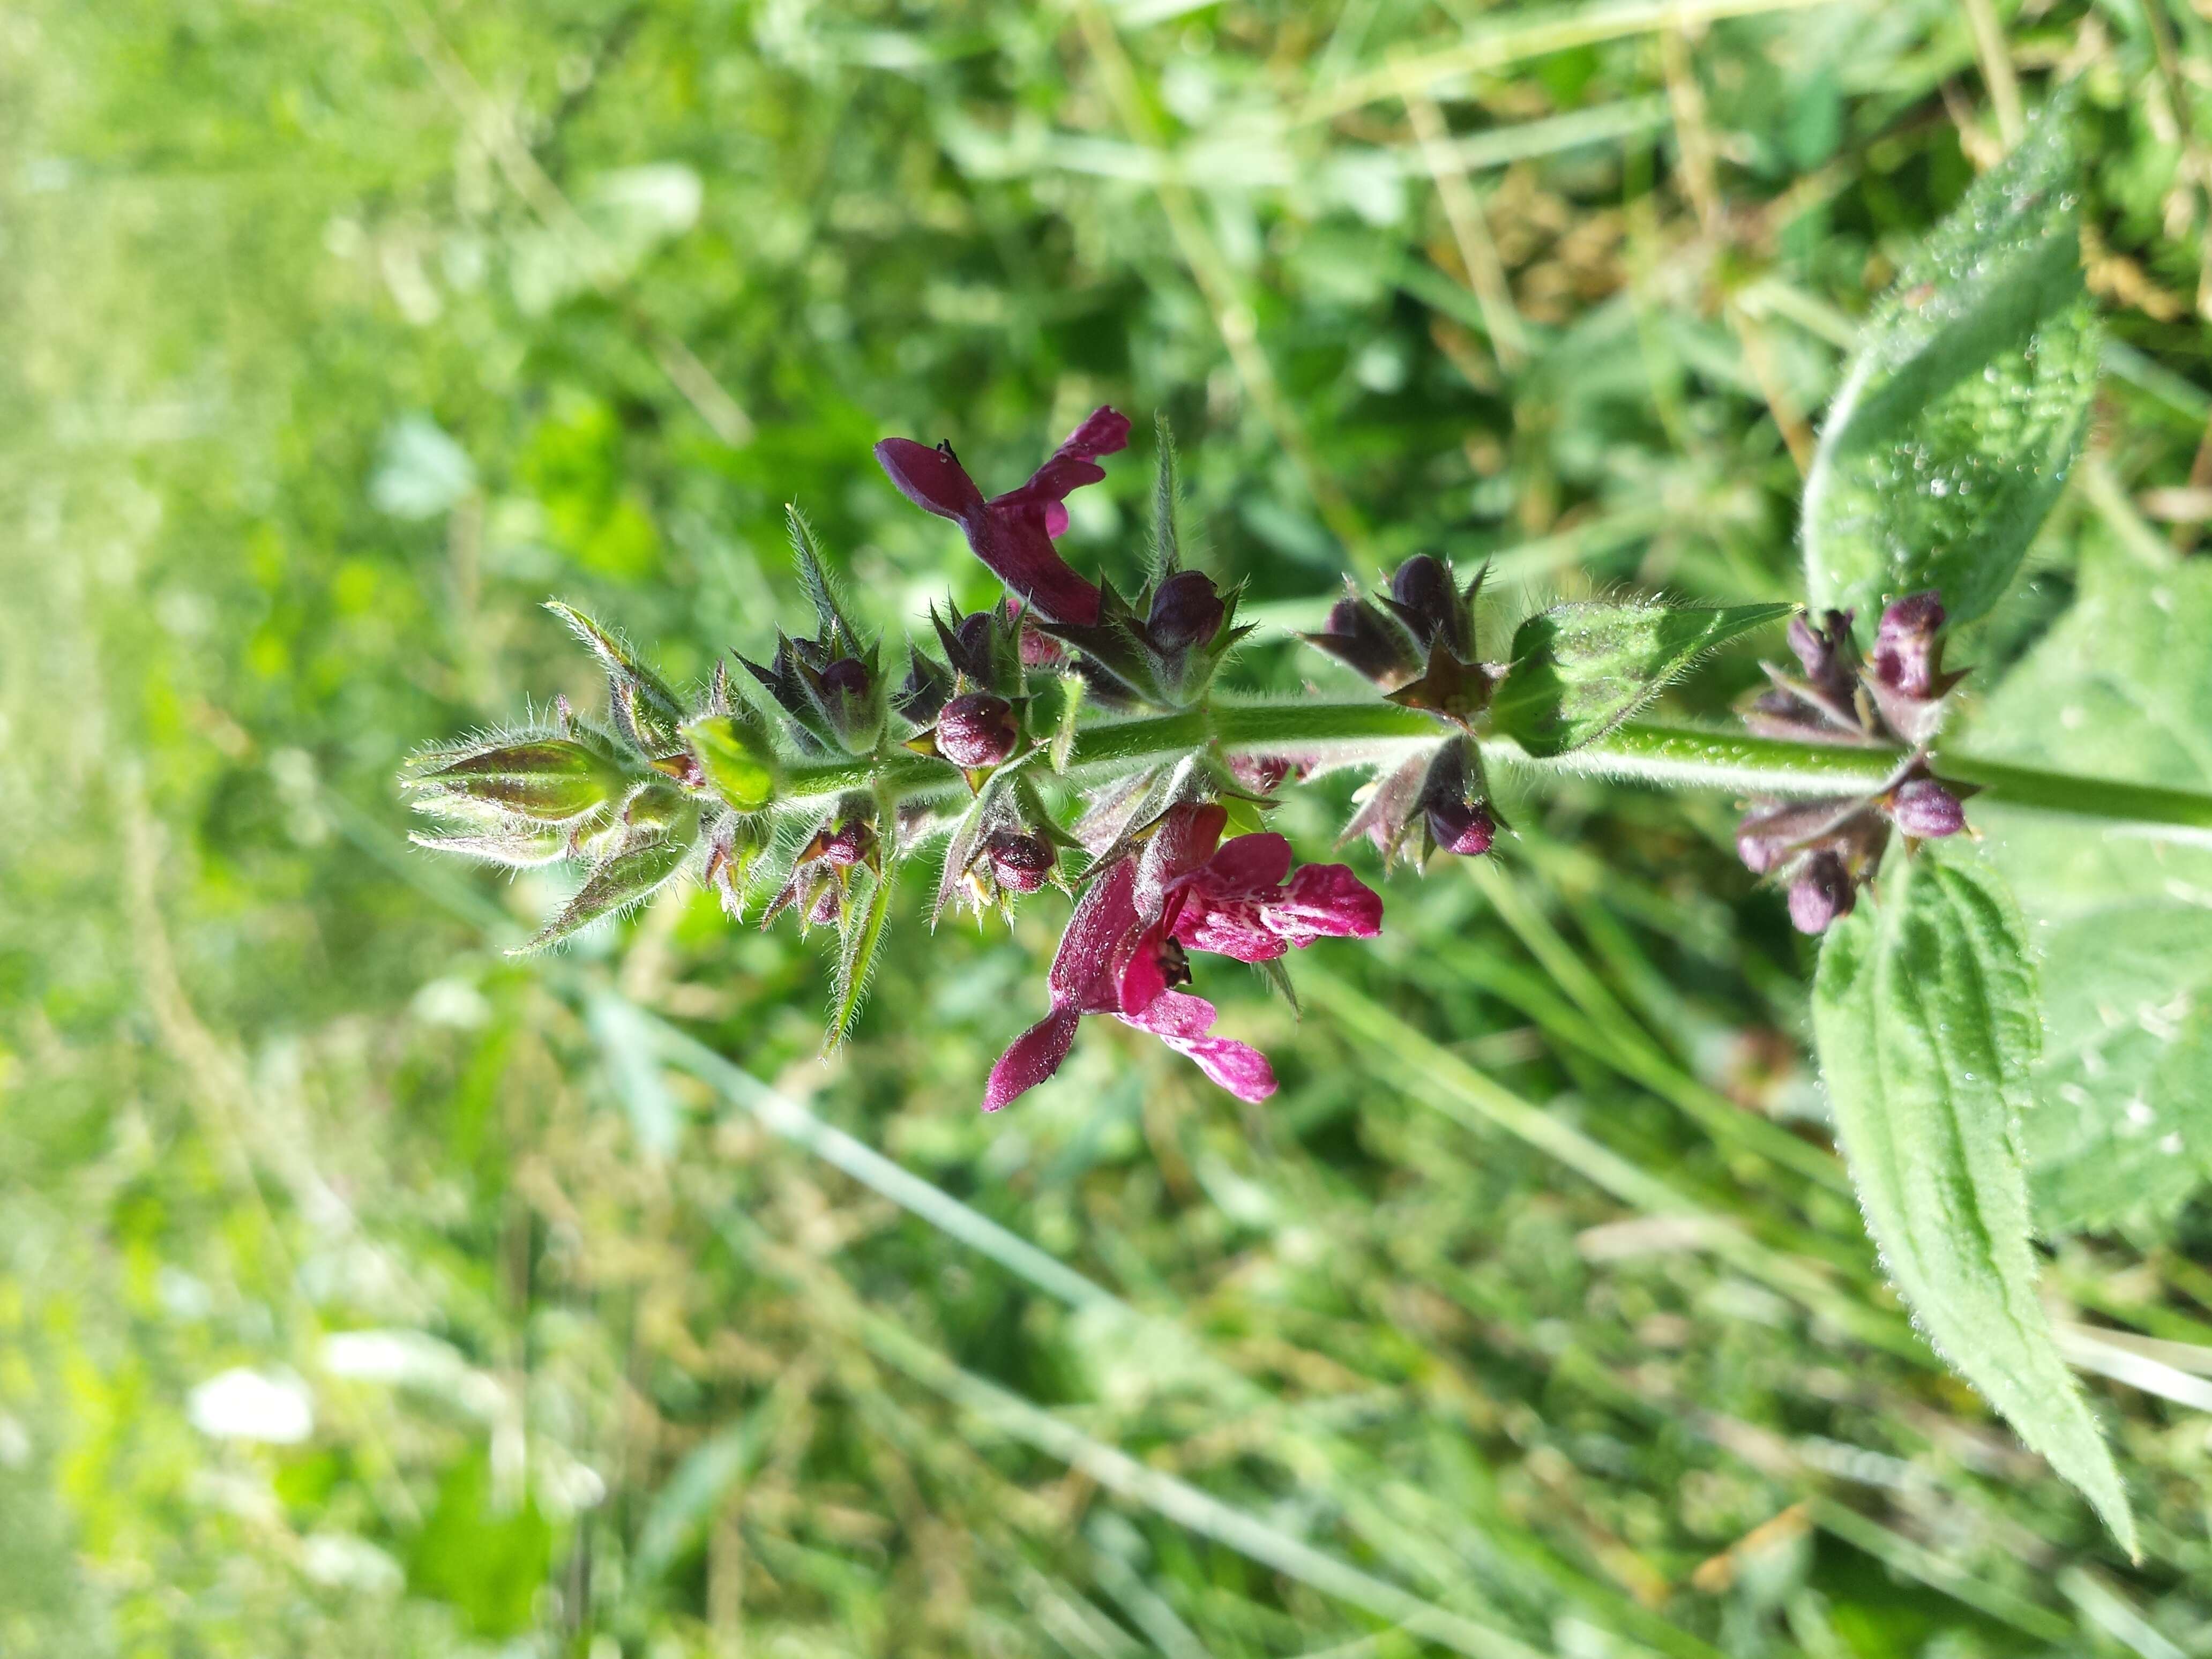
x=1013 y=533
x=1123 y=952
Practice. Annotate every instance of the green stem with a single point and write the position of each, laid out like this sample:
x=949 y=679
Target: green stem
x=1671 y=758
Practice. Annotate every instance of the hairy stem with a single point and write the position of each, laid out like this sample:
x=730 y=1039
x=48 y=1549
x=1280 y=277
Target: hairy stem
x=1670 y=758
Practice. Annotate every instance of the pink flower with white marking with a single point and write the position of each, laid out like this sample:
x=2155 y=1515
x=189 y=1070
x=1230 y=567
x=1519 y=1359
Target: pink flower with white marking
x=1123 y=953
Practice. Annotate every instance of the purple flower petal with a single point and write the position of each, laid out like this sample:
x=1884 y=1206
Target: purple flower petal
x=1246 y=862
x=1325 y=901
x=1032 y=1058
x=931 y=478
x=1013 y=533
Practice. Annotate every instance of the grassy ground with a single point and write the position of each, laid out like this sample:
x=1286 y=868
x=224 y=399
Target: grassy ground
x=1532 y=1316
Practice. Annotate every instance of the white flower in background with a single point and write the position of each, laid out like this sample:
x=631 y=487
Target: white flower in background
x=247 y=1405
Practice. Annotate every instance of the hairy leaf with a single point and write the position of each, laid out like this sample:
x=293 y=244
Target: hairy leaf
x=1926 y=1016
x=1580 y=670
x=2121 y=688
x=2122 y=1123
x=656 y=711
x=859 y=933
x=1954 y=429
x=832 y=623
x=626 y=878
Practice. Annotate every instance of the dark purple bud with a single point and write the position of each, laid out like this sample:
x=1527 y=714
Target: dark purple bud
x=1453 y=801
x=1822 y=893
x=1824 y=652
x=1368 y=642
x=829 y=904
x=977 y=729
x=846 y=844
x=1767 y=838
x=1187 y=612
x=1908 y=657
x=923 y=694
x=974 y=636
x=1264 y=774
x=847 y=676
x=1422 y=593
x=1462 y=827
x=1926 y=810
x=1021 y=862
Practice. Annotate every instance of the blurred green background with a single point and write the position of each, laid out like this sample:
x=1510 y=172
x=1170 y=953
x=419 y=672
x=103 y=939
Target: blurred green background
x=365 y=1292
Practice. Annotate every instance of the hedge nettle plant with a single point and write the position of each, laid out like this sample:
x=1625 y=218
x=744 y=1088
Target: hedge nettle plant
x=1075 y=738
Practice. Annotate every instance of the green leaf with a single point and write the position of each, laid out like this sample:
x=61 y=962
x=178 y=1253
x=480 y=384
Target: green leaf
x=833 y=625
x=1166 y=547
x=1926 y=1016
x=626 y=878
x=656 y=709
x=2120 y=689
x=1071 y=688
x=868 y=907
x=487 y=1563
x=1580 y=670
x=2122 y=1124
x=1954 y=429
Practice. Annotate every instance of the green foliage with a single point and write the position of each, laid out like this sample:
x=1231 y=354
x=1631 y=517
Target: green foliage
x=2121 y=688
x=485 y=1558
x=1927 y=1016
x=1580 y=670
x=1953 y=431
x=2120 y=1127
x=266 y=1075
x=860 y=932
x=620 y=882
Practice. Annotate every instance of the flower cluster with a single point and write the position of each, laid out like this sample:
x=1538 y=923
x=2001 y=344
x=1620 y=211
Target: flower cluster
x=1824 y=850
x=805 y=781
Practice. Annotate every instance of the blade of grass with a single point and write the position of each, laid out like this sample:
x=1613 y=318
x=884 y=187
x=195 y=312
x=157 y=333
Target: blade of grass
x=1438 y=1078
x=1529 y=35
x=1621 y=1041
x=1197 y=1511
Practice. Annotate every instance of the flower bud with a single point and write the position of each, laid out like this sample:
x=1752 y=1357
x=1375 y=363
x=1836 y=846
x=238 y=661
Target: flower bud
x=1908 y=656
x=738 y=762
x=1462 y=827
x=977 y=729
x=1020 y=861
x=1368 y=642
x=1420 y=584
x=829 y=904
x=848 y=676
x=1039 y=649
x=1824 y=652
x=549 y=780
x=1822 y=893
x=1187 y=612
x=1265 y=774
x=1923 y=809
x=1422 y=594
x=846 y=844
x=1453 y=801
